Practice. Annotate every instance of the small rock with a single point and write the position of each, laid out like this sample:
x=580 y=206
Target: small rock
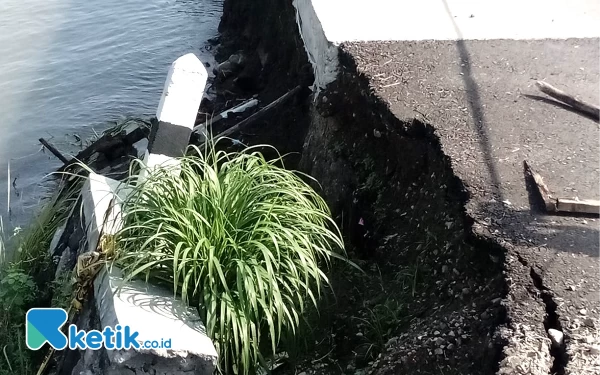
x=451 y=333
x=359 y=334
x=439 y=351
x=392 y=341
x=439 y=341
x=589 y=339
x=496 y=301
x=556 y=337
x=237 y=59
x=450 y=347
x=466 y=291
x=455 y=271
x=376 y=133
x=571 y=288
x=436 y=333
x=444 y=268
x=594 y=349
x=583 y=312
x=589 y=322
x=229 y=66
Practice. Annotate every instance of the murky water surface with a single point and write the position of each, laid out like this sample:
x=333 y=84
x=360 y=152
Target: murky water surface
x=70 y=67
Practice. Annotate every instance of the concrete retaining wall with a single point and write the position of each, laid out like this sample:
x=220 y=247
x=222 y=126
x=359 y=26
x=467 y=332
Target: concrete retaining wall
x=152 y=311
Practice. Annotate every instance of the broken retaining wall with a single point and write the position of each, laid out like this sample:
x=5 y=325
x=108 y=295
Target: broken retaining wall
x=171 y=336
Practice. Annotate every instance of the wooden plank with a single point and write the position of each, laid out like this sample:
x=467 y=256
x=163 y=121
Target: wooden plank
x=580 y=105
x=541 y=187
x=586 y=206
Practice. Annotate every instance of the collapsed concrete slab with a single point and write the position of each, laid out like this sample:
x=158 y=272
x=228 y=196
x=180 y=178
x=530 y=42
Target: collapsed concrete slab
x=171 y=334
x=101 y=205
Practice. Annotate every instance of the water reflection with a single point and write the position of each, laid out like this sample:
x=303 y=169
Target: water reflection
x=72 y=66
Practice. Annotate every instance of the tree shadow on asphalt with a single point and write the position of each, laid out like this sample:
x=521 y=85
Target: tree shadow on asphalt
x=533 y=227
x=475 y=105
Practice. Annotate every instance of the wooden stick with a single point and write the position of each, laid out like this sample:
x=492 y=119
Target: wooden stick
x=586 y=206
x=259 y=113
x=239 y=108
x=541 y=187
x=577 y=104
x=53 y=150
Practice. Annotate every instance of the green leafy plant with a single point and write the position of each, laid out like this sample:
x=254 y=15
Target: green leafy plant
x=249 y=241
x=17 y=289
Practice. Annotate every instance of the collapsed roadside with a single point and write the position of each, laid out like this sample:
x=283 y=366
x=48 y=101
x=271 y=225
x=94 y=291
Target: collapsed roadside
x=432 y=298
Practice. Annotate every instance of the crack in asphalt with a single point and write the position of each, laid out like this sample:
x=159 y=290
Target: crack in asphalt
x=551 y=321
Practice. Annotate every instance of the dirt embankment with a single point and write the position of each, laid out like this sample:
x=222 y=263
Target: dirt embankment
x=430 y=297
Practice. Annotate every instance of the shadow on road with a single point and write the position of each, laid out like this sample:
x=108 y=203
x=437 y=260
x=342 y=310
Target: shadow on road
x=475 y=106
x=534 y=228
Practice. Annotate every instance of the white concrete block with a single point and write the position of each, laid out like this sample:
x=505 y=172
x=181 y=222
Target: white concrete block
x=154 y=161
x=183 y=92
x=157 y=315
x=322 y=54
x=99 y=194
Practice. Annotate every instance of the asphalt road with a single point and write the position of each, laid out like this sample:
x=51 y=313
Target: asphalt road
x=481 y=99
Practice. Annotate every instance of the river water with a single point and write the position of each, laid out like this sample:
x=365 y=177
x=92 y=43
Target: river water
x=70 y=67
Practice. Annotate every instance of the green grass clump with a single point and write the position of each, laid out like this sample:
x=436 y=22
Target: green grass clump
x=244 y=239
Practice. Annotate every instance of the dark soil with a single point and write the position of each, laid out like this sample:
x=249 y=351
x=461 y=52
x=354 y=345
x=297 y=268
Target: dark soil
x=272 y=67
x=477 y=96
x=429 y=297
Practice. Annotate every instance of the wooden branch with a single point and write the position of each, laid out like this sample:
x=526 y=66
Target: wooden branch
x=587 y=108
x=260 y=113
x=237 y=109
x=541 y=187
x=53 y=150
x=587 y=206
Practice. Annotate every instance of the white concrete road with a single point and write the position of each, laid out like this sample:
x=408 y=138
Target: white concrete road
x=360 y=20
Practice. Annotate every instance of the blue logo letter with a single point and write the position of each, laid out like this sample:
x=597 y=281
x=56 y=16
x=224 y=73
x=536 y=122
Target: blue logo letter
x=76 y=338
x=42 y=325
x=130 y=339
